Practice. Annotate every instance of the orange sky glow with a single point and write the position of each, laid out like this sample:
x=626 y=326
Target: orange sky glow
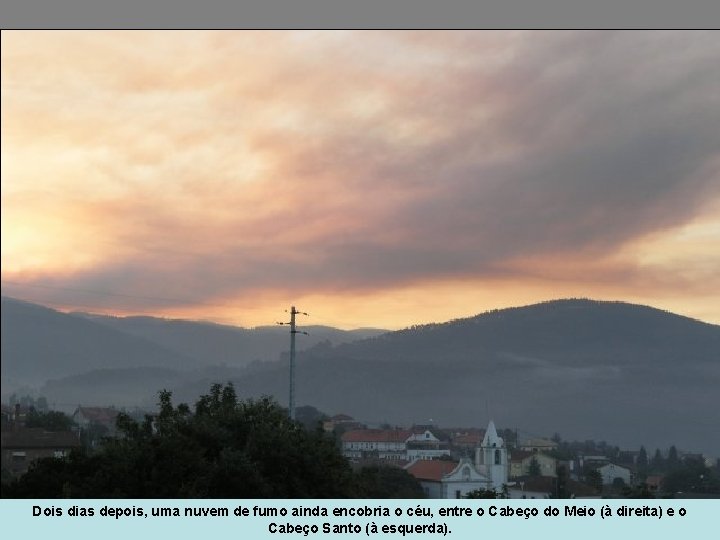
x=374 y=179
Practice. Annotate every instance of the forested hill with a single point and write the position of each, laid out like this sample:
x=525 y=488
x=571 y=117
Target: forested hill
x=631 y=374
x=588 y=369
x=39 y=343
x=568 y=331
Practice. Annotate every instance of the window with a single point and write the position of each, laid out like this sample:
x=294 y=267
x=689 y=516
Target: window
x=498 y=460
x=458 y=494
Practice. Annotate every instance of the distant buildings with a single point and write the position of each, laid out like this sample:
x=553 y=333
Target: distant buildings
x=102 y=418
x=388 y=444
x=443 y=479
x=522 y=463
x=539 y=445
x=610 y=474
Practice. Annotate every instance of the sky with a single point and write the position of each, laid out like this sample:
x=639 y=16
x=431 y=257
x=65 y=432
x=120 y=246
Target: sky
x=371 y=178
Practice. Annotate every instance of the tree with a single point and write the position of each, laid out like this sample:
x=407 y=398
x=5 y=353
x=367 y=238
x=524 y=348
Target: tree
x=693 y=477
x=534 y=467
x=383 y=482
x=310 y=417
x=50 y=421
x=641 y=491
x=673 y=461
x=594 y=479
x=562 y=481
x=642 y=460
x=225 y=448
x=486 y=494
x=658 y=463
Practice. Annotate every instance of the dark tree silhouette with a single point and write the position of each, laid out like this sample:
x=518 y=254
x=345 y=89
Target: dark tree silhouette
x=226 y=448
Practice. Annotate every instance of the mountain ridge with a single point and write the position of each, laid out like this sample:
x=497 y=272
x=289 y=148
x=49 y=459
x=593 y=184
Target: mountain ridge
x=585 y=368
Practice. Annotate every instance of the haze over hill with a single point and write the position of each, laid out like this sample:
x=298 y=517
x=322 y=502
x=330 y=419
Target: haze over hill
x=605 y=370
x=631 y=374
x=39 y=343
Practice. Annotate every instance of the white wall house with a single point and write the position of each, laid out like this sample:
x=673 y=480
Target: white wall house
x=442 y=479
x=377 y=443
x=611 y=471
x=426 y=445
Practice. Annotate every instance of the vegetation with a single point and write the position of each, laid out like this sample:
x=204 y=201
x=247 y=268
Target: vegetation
x=487 y=494
x=50 y=420
x=383 y=482
x=225 y=448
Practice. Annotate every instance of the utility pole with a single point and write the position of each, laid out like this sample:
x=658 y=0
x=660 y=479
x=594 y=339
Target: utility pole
x=293 y=331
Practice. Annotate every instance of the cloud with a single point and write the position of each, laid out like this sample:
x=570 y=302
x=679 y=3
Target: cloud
x=222 y=164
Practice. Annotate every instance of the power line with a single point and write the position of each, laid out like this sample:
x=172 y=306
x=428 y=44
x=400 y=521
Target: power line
x=293 y=331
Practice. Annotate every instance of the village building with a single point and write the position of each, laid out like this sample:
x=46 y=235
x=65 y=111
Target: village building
x=539 y=445
x=546 y=487
x=341 y=422
x=20 y=447
x=388 y=444
x=611 y=472
x=521 y=464
x=443 y=479
x=427 y=444
x=103 y=418
x=491 y=458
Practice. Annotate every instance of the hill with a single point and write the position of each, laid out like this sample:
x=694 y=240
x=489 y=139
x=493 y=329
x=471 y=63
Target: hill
x=590 y=370
x=631 y=374
x=41 y=344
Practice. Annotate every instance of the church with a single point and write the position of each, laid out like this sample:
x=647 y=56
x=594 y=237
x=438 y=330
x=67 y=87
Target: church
x=442 y=479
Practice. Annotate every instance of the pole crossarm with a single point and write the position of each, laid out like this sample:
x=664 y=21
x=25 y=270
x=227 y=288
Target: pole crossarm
x=293 y=331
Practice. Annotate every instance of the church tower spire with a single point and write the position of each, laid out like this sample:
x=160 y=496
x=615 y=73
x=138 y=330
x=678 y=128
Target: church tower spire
x=491 y=458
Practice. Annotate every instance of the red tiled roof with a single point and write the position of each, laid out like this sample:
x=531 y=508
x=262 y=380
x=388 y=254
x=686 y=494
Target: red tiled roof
x=654 y=480
x=469 y=439
x=548 y=484
x=519 y=455
x=376 y=435
x=431 y=469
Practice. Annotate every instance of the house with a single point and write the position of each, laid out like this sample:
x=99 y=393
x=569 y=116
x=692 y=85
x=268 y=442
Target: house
x=102 y=418
x=21 y=447
x=342 y=422
x=539 y=445
x=521 y=464
x=13 y=416
x=378 y=443
x=592 y=461
x=425 y=443
x=463 y=442
x=610 y=472
x=546 y=487
x=444 y=479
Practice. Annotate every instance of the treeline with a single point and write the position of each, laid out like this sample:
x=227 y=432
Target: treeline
x=679 y=473
x=224 y=448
